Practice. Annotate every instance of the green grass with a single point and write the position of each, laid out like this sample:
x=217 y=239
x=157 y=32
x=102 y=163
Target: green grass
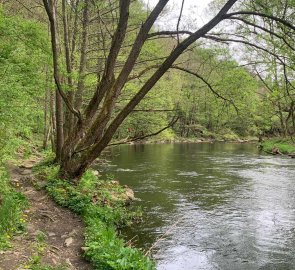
x=12 y=204
x=284 y=145
x=93 y=199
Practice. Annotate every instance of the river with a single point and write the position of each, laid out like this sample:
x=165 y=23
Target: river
x=219 y=206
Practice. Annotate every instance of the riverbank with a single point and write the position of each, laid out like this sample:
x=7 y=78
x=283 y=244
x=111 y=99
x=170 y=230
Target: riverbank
x=102 y=205
x=160 y=140
x=38 y=234
x=278 y=146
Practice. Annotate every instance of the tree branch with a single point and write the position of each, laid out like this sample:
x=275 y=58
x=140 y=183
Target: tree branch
x=286 y=23
x=174 y=120
x=208 y=84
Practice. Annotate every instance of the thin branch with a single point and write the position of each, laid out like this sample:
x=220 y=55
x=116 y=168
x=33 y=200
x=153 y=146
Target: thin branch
x=174 y=120
x=274 y=18
x=263 y=29
x=179 y=19
x=170 y=33
x=208 y=84
x=218 y=39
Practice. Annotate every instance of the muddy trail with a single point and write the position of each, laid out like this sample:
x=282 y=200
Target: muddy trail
x=54 y=235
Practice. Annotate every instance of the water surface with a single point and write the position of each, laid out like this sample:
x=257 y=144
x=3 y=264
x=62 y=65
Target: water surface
x=222 y=206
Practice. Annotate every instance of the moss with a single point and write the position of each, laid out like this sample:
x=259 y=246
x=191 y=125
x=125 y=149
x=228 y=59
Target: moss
x=92 y=199
x=285 y=146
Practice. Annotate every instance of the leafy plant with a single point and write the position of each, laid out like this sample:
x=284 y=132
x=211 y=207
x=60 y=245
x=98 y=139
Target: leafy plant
x=102 y=215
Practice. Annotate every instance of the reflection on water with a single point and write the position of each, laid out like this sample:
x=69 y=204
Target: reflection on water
x=229 y=206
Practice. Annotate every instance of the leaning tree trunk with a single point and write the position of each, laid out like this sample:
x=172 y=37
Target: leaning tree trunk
x=97 y=123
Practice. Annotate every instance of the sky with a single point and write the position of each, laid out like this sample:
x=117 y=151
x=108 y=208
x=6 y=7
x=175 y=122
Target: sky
x=195 y=14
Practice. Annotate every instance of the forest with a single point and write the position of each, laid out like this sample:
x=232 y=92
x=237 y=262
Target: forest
x=82 y=77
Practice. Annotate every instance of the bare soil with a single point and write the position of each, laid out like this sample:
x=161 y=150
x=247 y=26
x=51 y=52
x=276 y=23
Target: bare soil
x=62 y=230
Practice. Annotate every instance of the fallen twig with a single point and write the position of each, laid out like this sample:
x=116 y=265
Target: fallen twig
x=161 y=238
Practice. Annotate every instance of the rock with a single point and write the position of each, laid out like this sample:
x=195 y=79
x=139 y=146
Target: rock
x=96 y=173
x=68 y=241
x=27 y=165
x=26 y=172
x=276 y=151
x=15 y=181
x=68 y=262
x=84 y=249
x=114 y=182
x=73 y=233
x=125 y=196
x=51 y=234
x=129 y=194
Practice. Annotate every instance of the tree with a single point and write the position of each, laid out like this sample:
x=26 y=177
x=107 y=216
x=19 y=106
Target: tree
x=268 y=50
x=96 y=120
x=229 y=107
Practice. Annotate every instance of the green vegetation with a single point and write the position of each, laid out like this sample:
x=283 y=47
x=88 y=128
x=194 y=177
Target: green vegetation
x=285 y=146
x=34 y=263
x=102 y=206
x=106 y=76
x=20 y=83
x=12 y=203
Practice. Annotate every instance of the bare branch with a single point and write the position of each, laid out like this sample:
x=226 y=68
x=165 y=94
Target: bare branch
x=174 y=120
x=179 y=19
x=284 y=22
x=208 y=84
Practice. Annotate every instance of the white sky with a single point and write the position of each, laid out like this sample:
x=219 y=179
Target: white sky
x=195 y=14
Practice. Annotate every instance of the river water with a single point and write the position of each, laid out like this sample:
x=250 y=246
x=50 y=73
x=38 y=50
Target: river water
x=219 y=206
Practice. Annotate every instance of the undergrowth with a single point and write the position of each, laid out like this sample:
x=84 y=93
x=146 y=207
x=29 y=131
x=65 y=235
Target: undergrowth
x=101 y=206
x=285 y=146
x=12 y=202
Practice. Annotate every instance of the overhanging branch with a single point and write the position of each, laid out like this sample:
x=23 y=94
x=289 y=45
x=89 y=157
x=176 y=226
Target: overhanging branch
x=274 y=18
x=174 y=120
x=208 y=84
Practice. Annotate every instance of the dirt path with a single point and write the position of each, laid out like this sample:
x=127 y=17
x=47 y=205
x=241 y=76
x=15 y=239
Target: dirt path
x=54 y=235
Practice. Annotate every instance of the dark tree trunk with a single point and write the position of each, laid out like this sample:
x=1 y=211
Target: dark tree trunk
x=59 y=125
